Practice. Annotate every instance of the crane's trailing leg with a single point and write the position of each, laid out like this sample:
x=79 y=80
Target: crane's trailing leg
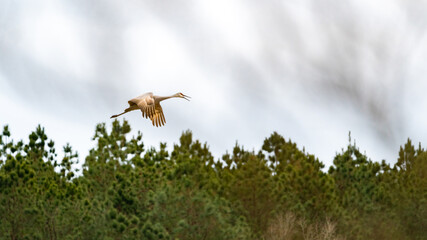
x=126 y=111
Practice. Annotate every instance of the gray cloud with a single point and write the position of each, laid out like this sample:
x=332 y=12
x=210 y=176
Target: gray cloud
x=297 y=61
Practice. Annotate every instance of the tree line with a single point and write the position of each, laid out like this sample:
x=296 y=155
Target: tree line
x=125 y=191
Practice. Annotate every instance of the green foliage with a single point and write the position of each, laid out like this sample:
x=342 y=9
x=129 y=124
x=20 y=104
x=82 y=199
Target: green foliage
x=358 y=185
x=35 y=198
x=300 y=184
x=247 y=182
x=123 y=191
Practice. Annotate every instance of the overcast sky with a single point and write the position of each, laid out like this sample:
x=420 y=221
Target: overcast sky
x=310 y=70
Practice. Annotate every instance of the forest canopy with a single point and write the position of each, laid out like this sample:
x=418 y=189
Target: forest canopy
x=125 y=191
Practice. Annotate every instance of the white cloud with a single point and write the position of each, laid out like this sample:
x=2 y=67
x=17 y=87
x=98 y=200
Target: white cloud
x=54 y=39
x=250 y=68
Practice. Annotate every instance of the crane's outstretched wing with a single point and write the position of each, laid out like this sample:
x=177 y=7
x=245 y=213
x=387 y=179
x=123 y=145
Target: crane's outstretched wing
x=144 y=102
x=158 y=118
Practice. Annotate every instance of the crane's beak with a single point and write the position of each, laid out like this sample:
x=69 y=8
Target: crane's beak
x=186 y=97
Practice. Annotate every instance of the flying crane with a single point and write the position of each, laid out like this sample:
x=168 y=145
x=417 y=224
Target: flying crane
x=149 y=105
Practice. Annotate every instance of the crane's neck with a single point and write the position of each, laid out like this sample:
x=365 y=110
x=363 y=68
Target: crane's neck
x=161 y=98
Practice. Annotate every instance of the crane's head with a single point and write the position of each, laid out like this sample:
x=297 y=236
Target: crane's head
x=180 y=95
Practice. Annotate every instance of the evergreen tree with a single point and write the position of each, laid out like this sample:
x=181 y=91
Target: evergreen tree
x=300 y=184
x=127 y=192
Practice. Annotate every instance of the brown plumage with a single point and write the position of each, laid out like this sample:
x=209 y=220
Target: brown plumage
x=149 y=105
